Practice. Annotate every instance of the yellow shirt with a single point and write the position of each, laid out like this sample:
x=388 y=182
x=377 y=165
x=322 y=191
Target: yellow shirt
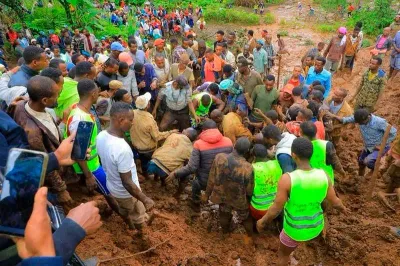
x=233 y=127
x=371 y=75
x=144 y=132
x=176 y=149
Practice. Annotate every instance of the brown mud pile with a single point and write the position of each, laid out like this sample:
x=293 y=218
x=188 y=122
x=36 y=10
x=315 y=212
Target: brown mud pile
x=360 y=238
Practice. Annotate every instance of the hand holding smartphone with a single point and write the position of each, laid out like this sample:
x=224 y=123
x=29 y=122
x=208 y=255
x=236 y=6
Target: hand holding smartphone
x=24 y=175
x=82 y=140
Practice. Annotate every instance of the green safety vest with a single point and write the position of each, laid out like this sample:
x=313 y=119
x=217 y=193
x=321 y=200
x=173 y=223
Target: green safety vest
x=318 y=158
x=93 y=161
x=303 y=215
x=201 y=109
x=266 y=177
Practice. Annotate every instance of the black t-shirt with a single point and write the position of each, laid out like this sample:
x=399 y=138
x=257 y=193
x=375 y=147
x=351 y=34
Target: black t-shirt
x=103 y=80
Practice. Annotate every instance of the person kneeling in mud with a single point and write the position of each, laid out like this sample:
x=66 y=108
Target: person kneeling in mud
x=300 y=195
x=392 y=174
x=230 y=184
x=122 y=178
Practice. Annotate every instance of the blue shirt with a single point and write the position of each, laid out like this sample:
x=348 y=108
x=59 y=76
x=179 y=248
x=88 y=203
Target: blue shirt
x=372 y=133
x=21 y=78
x=260 y=60
x=325 y=77
x=148 y=77
x=23 y=42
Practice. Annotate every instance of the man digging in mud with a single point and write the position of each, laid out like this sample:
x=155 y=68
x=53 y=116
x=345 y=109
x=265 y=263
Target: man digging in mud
x=392 y=174
x=230 y=184
x=300 y=196
x=119 y=165
x=372 y=129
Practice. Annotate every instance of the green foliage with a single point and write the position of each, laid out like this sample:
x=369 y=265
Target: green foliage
x=374 y=19
x=45 y=19
x=327 y=28
x=283 y=33
x=366 y=43
x=308 y=42
x=223 y=15
x=331 y=4
x=269 y=18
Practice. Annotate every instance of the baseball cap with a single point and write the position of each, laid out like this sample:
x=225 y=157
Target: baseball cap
x=2 y=68
x=116 y=46
x=260 y=41
x=225 y=84
x=182 y=82
x=288 y=88
x=159 y=42
x=342 y=30
x=125 y=57
x=143 y=100
x=242 y=62
x=33 y=40
x=102 y=58
x=85 y=53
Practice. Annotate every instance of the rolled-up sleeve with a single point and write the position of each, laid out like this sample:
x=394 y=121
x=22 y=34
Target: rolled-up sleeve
x=348 y=119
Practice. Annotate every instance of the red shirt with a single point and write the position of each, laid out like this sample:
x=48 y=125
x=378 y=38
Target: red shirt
x=293 y=127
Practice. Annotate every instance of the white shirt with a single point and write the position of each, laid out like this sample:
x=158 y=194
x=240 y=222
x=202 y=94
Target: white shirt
x=230 y=59
x=46 y=119
x=116 y=157
x=9 y=94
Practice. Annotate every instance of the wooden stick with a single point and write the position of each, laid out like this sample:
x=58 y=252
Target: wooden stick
x=159 y=215
x=279 y=72
x=378 y=161
x=136 y=254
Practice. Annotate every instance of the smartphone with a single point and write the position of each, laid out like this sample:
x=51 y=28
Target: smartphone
x=82 y=140
x=24 y=175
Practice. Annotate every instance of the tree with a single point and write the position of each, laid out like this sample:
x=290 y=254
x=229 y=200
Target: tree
x=16 y=6
x=376 y=18
x=67 y=8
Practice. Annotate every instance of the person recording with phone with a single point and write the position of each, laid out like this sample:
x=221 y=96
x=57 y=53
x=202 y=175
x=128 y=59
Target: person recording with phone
x=35 y=248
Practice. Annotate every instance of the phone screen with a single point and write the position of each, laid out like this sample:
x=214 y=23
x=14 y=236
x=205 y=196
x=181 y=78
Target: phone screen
x=23 y=176
x=82 y=140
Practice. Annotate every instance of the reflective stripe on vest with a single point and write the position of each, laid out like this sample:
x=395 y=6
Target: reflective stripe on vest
x=318 y=158
x=93 y=161
x=303 y=215
x=202 y=110
x=266 y=177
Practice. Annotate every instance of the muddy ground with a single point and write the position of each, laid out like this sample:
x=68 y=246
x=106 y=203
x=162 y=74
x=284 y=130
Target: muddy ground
x=361 y=238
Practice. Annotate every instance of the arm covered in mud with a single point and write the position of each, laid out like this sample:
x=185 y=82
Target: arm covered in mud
x=333 y=199
x=333 y=159
x=135 y=191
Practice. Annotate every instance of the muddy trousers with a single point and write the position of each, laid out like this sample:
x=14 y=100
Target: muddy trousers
x=225 y=218
x=197 y=186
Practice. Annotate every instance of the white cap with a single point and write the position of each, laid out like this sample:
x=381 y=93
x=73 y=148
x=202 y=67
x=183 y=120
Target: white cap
x=143 y=100
x=102 y=58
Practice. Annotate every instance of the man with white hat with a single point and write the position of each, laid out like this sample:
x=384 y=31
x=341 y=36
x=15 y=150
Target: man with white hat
x=34 y=43
x=144 y=131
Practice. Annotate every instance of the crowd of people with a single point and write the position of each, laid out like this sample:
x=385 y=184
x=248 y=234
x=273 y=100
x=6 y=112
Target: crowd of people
x=179 y=112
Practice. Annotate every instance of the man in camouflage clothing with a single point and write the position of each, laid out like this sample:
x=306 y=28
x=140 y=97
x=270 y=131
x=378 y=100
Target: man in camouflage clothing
x=231 y=185
x=371 y=87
